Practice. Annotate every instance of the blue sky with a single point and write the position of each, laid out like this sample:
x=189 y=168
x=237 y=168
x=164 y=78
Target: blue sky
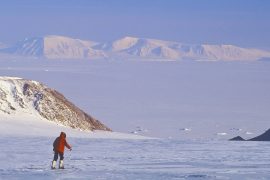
x=239 y=22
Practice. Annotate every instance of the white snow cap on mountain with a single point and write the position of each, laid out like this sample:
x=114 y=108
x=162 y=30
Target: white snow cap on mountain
x=60 y=47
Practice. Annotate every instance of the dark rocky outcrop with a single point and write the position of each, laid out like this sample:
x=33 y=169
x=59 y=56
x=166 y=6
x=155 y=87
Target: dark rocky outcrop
x=263 y=137
x=237 y=138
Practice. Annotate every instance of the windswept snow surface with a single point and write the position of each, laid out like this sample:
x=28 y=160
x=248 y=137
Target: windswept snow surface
x=34 y=126
x=30 y=157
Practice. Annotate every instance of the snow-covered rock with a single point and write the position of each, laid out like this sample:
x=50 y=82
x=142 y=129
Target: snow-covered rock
x=25 y=97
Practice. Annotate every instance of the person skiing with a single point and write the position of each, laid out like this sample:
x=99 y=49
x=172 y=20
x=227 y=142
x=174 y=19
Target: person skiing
x=59 y=145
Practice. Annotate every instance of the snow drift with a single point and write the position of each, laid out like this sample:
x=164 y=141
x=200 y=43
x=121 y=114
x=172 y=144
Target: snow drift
x=59 y=47
x=25 y=97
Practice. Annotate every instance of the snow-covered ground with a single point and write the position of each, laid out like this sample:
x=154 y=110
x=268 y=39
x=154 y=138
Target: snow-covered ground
x=32 y=126
x=30 y=157
x=194 y=107
x=184 y=100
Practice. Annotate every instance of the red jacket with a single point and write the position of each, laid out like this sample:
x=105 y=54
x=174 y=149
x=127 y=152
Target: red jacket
x=60 y=143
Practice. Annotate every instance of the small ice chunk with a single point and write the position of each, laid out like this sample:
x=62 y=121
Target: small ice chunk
x=222 y=134
x=140 y=130
x=185 y=129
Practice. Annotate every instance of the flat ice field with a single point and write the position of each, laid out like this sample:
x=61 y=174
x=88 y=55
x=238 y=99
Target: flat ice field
x=30 y=157
x=193 y=107
x=177 y=99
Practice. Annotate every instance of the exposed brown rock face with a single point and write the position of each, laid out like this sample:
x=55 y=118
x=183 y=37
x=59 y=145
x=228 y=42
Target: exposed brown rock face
x=49 y=103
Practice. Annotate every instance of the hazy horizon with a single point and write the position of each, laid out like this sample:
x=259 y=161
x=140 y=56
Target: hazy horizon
x=242 y=22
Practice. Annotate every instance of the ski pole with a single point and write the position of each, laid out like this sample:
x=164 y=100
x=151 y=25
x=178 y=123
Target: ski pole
x=69 y=156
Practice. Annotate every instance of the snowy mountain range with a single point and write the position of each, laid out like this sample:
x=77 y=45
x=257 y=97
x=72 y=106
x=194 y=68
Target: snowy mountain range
x=59 y=47
x=25 y=97
x=54 y=47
